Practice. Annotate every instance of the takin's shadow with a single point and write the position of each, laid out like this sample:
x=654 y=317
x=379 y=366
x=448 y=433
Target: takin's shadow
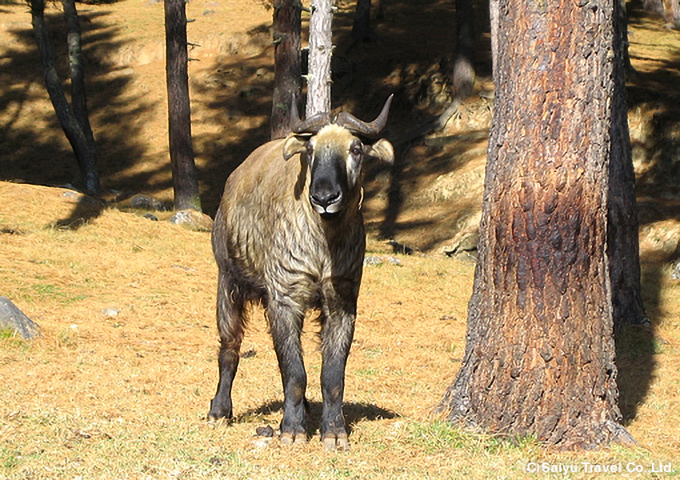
x=354 y=413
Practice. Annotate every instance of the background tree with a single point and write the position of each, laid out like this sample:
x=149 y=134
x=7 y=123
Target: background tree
x=184 y=173
x=320 y=53
x=669 y=9
x=361 y=28
x=539 y=358
x=287 y=79
x=463 y=69
x=73 y=117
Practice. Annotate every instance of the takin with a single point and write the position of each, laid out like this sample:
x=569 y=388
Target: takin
x=289 y=233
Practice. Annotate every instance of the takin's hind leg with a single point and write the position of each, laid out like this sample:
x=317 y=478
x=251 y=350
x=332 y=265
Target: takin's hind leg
x=230 y=324
x=285 y=324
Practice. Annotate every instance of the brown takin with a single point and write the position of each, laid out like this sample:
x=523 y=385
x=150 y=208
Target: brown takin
x=289 y=233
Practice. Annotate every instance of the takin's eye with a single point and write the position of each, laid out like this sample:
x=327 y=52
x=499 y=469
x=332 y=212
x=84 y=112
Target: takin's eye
x=356 y=150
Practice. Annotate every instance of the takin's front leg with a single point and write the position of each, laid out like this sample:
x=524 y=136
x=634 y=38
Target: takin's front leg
x=336 y=340
x=285 y=323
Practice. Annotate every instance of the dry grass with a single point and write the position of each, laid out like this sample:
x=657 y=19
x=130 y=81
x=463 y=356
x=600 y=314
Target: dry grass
x=125 y=397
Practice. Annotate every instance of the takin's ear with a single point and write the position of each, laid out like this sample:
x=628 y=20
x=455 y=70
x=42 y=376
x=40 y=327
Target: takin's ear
x=382 y=150
x=292 y=146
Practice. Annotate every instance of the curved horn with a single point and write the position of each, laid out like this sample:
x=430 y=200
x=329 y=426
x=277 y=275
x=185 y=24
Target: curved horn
x=310 y=125
x=294 y=115
x=372 y=129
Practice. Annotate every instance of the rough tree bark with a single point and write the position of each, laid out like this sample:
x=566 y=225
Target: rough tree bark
x=184 y=173
x=74 y=119
x=539 y=356
x=622 y=230
x=287 y=79
x=320 y=52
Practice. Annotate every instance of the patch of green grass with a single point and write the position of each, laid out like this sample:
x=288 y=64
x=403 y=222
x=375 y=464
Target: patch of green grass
x=45 y=291
x=9 y=458
x=367 y=372
x=372 y=352
x=434 y=437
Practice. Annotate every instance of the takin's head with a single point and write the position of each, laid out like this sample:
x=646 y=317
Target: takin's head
x=334 y=151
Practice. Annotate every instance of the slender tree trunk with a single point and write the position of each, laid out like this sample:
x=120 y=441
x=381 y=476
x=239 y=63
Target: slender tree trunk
x=77 y=64
x=539 y=357
x=73 y=120
x=361 y=28
x=287 y=79
x=622 y=231
x=184 y=173
x=494 y=17
x=320 y=53
x=463 y=69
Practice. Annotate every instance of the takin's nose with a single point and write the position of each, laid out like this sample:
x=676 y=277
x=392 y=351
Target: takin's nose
x=326 y=200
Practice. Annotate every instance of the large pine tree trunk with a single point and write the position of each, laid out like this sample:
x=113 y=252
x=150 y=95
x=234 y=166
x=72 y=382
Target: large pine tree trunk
x=539 y=356
x=320 y=53
x=73 y=120
x=184 y=173
x=287 y=80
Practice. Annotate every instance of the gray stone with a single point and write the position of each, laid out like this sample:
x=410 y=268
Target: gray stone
x=110 y=312
x=372 y=260
x=394 y=261
x=192 y=219
x=15 y=320
x=675 y=274
x=146 y=203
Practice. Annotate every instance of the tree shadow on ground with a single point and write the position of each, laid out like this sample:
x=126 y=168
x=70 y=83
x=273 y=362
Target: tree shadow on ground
x=354 y=413
x=654 y=106
x=38 y=152
x=237 y=98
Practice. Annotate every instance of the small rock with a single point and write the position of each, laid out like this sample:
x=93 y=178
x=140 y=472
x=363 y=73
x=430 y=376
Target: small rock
x=192 y=219
x=146 y=203
x=263 y=442
x=399 y=248
x=467 y=242
x=675 y=274
x=15 y=320
x=267 y=431
x=151 y=216
x=249 y=353
x=394 y=261
x=110 y=312
x=372 y=260
x=71 y=194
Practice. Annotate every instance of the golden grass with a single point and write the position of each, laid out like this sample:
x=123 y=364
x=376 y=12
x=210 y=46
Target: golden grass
x=126 y=396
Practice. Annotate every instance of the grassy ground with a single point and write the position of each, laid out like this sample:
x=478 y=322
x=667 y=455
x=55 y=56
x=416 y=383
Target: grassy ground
x=125 y=396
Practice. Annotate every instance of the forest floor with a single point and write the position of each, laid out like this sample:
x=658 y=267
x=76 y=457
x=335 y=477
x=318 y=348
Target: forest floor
x=120 y=381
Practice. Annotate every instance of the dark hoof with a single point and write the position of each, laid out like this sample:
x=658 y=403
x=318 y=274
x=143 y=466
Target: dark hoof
x=293 y=438
x=214 y=421
x=335 y=441
x=217 y=416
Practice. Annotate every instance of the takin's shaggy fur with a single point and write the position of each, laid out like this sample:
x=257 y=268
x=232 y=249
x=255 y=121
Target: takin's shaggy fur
x=289 y=232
